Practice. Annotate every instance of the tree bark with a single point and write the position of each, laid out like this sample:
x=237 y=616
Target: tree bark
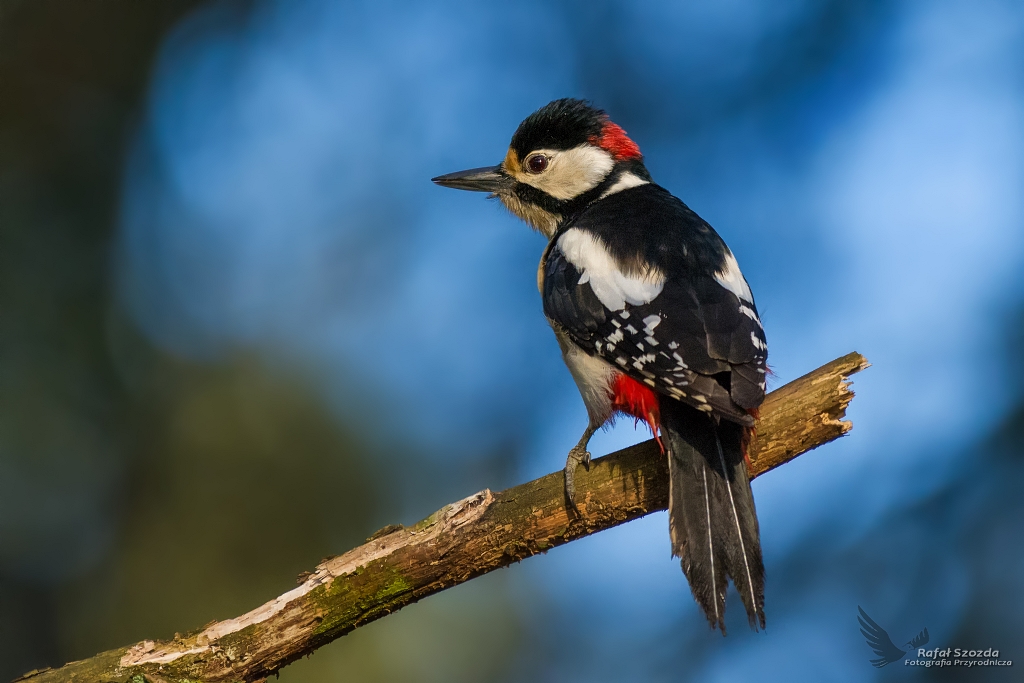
x=486 y=531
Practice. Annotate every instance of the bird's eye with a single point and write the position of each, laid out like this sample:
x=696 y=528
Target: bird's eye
x=537 y=163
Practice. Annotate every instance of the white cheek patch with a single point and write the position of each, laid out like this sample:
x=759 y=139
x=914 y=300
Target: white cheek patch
x=625 y=181
x=613 y=287
x=732 y=279
x=571 y=172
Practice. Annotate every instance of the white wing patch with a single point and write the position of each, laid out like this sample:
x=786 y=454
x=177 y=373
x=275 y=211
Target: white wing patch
x=613 y=287
x=732 y=279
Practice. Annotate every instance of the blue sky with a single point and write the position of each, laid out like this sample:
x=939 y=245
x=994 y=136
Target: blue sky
x=278 y=198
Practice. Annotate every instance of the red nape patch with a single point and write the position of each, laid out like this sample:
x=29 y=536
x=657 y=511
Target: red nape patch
x=633 y=398
x=615 y=140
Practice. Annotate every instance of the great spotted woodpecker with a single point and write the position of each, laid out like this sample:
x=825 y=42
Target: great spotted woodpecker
x=654 y=320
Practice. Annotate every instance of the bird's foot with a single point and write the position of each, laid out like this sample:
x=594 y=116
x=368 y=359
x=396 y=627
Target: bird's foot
x=579 y=455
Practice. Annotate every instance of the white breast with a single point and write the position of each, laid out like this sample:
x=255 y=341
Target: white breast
x=594 y=377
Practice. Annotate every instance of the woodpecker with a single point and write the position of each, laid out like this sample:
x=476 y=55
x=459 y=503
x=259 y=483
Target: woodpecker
x=655 y=321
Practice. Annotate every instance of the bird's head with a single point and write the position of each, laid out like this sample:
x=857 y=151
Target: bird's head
x=562 y=157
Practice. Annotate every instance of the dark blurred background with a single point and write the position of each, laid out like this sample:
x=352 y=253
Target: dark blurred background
x=240 y=330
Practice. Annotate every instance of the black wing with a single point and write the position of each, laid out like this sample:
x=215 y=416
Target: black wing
x=878 y=640
x=693 y=341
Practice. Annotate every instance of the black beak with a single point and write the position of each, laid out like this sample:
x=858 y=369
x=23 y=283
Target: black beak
x=486 y=179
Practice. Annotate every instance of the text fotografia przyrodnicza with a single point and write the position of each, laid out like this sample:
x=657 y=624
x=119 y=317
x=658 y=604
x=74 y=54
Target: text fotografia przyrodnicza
x=957 y=657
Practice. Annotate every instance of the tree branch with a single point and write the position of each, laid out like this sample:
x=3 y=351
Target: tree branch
x=486 y=531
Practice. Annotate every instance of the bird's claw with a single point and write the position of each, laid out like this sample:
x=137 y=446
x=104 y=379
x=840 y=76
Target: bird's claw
x=577 y=456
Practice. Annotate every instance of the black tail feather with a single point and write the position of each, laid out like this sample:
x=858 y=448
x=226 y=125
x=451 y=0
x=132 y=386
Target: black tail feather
x=711 y=511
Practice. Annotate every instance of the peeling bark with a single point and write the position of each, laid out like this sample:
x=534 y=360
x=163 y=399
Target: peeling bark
x=486 y=531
